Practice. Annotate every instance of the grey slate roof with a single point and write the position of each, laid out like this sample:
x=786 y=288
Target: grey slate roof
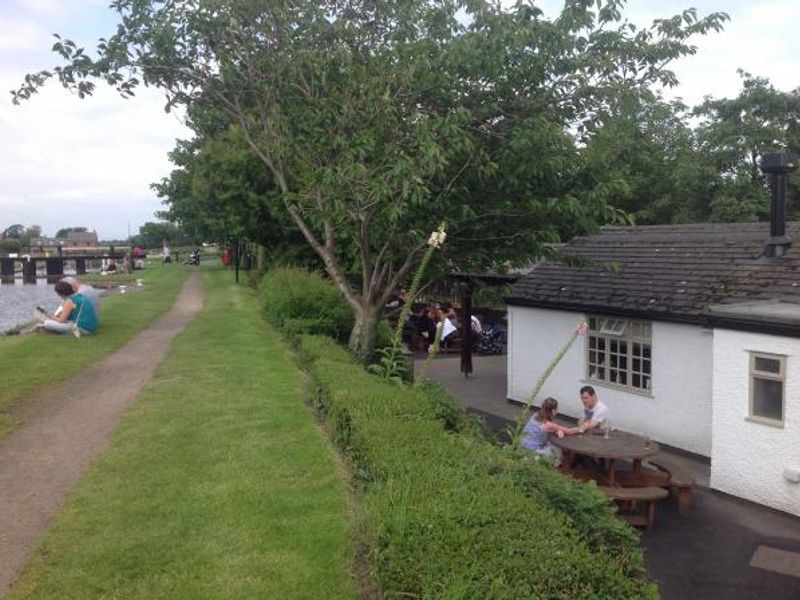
x=670 y=272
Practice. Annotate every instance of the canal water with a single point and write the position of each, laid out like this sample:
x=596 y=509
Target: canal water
x=17 y=301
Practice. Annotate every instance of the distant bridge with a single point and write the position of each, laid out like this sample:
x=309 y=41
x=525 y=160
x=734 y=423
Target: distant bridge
x=54 y=265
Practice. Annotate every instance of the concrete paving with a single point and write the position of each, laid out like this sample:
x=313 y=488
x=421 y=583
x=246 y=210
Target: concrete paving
x=721 y=548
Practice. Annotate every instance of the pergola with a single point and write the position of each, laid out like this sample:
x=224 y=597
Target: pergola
x=467 y=282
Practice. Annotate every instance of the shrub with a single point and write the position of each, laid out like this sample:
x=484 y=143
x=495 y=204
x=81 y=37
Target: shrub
x=9 y=246
x=448 y=515
x=300 y=302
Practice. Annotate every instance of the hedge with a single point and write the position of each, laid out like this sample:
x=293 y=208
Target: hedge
x=449 y=515
x=298 y=301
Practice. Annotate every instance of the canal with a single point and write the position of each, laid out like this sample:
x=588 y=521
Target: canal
x=17 y=301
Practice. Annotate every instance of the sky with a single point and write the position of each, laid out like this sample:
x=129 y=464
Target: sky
x=66 y=162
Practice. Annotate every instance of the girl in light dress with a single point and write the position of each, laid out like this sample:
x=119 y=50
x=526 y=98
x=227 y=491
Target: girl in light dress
x=536 y=435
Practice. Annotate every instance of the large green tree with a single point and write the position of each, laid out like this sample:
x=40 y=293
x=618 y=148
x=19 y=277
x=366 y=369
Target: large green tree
x=733 y=134
x=375 y=120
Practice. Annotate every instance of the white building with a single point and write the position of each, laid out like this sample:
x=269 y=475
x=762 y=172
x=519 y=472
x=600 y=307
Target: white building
x=693 y=340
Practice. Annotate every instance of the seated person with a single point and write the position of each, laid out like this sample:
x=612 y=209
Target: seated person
x=77 y=314
x=91 y=293
x=449 y=329
x=535 y=436
x=594 y=411
x=475 y=325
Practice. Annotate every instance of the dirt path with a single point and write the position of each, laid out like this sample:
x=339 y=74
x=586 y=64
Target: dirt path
x=67 y=425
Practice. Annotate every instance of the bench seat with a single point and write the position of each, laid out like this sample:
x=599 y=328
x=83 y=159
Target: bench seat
x=680 y=480
x=633 y=495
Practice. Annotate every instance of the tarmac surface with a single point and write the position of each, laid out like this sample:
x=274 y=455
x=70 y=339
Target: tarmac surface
x=721 y=548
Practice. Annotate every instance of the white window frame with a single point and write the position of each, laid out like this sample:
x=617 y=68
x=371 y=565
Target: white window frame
x=629 y=333
x=780 y=376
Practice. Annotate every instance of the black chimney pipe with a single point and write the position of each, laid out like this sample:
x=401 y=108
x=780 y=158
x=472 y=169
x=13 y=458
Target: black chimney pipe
x=778 y=166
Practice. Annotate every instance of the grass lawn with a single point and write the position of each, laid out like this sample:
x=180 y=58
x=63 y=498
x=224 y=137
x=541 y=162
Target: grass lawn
x=217 y=483
x=31 y=361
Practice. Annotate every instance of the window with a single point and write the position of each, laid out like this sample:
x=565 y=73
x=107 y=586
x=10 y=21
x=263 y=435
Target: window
x=620 y=352
x=767 y=376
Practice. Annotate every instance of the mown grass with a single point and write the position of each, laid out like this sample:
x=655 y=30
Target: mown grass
x=217 y=484
x=31 y=361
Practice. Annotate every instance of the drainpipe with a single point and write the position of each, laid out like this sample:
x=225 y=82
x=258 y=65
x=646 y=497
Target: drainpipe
x=778 y=166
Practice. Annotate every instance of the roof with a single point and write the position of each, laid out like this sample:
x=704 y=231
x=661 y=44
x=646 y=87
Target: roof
x=82 y=236
x=667 y=272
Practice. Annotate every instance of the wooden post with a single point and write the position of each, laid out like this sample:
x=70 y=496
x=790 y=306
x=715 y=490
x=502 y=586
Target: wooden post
x=29 y=271
x=236 y=253
x=7 y=268
x=55 y=267
x=466 y=328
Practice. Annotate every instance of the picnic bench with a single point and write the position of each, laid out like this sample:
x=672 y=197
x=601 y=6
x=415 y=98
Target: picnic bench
x=631 y=496
x=681 y=481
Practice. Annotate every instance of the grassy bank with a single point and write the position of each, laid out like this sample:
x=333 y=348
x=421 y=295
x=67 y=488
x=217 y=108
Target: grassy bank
x=31 y=361
x=217 y=483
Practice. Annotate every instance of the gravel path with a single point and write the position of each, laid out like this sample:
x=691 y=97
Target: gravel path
x=67 y=425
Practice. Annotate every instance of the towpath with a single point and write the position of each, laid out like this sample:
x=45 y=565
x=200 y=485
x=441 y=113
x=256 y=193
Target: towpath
x=65 y=426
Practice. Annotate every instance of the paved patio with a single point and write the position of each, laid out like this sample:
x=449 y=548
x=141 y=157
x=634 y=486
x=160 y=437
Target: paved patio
x=721 y=548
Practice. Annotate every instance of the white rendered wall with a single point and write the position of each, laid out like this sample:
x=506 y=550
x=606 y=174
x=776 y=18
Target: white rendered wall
x=749 y=457
x=676 y=412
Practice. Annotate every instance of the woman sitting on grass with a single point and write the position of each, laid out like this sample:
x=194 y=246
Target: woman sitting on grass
x=77 y=314
x=535 y=436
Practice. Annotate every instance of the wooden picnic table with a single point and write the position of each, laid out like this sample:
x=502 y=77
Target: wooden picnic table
x=620 y=445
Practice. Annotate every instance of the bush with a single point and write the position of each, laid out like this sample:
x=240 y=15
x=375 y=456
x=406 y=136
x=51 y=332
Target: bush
x=10 y=246
x=448 y=515
x=299 y=302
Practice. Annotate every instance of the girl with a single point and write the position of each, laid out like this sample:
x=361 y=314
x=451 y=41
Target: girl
x=77 y=314
x=535 y=436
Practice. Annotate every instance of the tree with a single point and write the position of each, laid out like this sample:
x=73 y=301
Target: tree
x=650 y=150
x=376 y=120
x=733 y=135
x=34 y=231
x=65 y=231
x=14 y=231
x=153 y=235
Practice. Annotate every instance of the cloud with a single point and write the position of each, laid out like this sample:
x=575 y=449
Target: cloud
x=66 y=161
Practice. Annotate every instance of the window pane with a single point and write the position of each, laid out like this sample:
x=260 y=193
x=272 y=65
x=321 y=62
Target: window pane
x=592 y=342
x=768 y=398
x=646 y=351
x=623 y=347
x=767 y=365
x=613 y=345
x=637 y=364
x=637 y=382
x=623 y=362
x=601 y=343
x=637 y=349
x=646 y=366
x=623 y=378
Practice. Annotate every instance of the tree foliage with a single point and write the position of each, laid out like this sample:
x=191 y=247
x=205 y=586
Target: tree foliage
x=374 y=120
x=65 y=231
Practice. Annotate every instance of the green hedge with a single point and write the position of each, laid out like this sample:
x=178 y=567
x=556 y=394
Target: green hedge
x=449 y=515
x=298 y=302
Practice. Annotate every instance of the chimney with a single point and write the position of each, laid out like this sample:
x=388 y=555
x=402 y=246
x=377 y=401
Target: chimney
x=778 y=166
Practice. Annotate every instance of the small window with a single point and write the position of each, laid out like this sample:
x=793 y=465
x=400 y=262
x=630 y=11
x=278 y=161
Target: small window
x=767 y=378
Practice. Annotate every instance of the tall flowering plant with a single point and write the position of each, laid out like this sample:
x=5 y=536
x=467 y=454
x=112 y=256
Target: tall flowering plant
x=580 y=330
x=391 y=364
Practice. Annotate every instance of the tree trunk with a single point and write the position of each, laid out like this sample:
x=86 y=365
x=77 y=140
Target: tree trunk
x=363 y=335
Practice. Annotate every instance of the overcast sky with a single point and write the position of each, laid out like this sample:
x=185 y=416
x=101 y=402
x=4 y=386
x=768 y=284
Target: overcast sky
x=67 y=162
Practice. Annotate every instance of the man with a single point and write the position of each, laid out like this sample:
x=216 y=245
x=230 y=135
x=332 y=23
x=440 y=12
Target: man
x=594 y=411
